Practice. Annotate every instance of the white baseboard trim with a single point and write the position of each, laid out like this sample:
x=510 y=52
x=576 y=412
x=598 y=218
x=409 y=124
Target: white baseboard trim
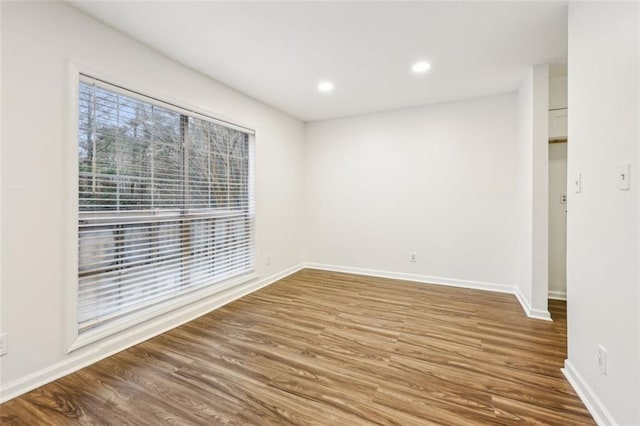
x=425 y=279
x=557 y=295
x=598 y=411
x=100 y=350
x=531 y=313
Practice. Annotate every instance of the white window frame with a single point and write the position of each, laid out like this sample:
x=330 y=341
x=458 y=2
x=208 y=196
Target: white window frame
x=74 y=339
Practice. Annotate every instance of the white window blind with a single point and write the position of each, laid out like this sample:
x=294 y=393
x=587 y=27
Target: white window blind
x=165 y=202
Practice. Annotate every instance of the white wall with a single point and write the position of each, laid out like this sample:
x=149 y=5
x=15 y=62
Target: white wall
x=524 y=188
x=540 y=156
x=37 y=40
x=532 y=190
x=638 y=229
x=557 y=220
x=557 y=91
x=435 y=180
x=1 y=324
x=603 y=246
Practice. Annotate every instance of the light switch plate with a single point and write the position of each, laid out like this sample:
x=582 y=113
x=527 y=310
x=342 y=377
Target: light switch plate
x=624 y=177
x=602 y=359
x=577 y=183
x=4 y=344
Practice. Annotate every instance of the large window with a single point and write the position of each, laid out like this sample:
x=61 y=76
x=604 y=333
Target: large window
x=165 y=202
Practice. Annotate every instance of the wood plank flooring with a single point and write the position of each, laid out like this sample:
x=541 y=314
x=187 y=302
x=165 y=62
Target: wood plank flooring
x=320 y=348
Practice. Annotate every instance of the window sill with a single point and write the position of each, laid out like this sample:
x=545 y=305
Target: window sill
x=113 y=328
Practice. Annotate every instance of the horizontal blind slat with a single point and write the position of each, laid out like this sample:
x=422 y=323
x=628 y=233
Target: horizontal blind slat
x=146 y=243
x=132 y=266
x=103 y=294
x=87 y=323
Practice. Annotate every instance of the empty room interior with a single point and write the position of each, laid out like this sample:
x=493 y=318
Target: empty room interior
x=319 y=213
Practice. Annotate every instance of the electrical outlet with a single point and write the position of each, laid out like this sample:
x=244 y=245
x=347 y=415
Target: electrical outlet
x=269 y=260
x=412 y=257
x=4 y=344
x=563 y=199
x=602 y=359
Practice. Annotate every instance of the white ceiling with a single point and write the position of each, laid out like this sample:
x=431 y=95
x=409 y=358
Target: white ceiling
x=278 y=52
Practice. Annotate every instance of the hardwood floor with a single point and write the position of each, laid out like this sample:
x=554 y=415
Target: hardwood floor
x=320 y=348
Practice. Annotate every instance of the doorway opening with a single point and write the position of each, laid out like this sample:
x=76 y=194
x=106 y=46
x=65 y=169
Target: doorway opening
x=558 y=152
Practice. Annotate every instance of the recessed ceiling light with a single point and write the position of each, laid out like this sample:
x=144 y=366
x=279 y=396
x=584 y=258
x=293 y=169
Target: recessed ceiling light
x=325 y=86
x=420 y=67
